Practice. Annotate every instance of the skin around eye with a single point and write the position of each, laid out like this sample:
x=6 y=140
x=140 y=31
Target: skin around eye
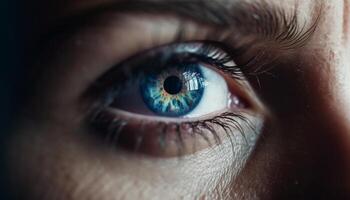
x=88 y=60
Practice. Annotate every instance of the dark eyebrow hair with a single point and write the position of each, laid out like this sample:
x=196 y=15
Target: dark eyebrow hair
x=258 y=18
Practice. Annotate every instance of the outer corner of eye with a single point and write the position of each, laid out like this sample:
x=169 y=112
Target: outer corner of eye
x=182 y=101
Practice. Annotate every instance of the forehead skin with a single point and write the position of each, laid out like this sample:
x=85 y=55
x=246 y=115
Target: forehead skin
x=326 y=91
x=49 y=12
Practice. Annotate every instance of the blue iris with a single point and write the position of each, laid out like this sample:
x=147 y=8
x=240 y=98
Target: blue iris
x=173 y=92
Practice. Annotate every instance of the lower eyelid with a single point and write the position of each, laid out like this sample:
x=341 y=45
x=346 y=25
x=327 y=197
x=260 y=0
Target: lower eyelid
x=161 y=139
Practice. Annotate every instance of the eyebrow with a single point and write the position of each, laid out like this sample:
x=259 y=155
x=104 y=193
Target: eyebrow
x=259 y=18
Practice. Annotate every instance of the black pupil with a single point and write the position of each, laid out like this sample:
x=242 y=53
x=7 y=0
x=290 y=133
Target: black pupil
x=172 y=85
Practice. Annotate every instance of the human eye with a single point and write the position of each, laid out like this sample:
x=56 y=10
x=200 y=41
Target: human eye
x=179 y=88
x=173 y=93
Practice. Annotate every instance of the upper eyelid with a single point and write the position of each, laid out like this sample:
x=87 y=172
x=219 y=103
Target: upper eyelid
x=264 y=21
x=122 y=72
x=203 y=49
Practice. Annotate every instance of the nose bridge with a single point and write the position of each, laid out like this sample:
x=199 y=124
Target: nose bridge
x=330 y=95
x=328 y=119
x=331 y=65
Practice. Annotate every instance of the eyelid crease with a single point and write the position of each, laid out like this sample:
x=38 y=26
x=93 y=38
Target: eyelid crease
x=268 y=22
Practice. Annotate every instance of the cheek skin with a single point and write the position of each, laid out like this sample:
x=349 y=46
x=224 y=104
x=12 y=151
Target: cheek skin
x=53 y=162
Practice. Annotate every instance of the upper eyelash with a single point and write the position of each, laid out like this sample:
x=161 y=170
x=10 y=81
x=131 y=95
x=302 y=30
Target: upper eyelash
x=209 y=51
x=221 y=59
x=125 y=72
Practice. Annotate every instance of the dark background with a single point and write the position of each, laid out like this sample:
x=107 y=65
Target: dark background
x=11 y=51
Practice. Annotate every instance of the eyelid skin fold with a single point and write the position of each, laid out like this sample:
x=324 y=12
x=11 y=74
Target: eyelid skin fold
x=263 y=20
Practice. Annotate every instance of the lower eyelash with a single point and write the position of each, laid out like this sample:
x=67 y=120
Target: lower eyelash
x=111 y=127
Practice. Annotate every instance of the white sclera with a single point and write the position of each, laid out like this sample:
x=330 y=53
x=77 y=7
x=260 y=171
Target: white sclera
x=215 y=96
